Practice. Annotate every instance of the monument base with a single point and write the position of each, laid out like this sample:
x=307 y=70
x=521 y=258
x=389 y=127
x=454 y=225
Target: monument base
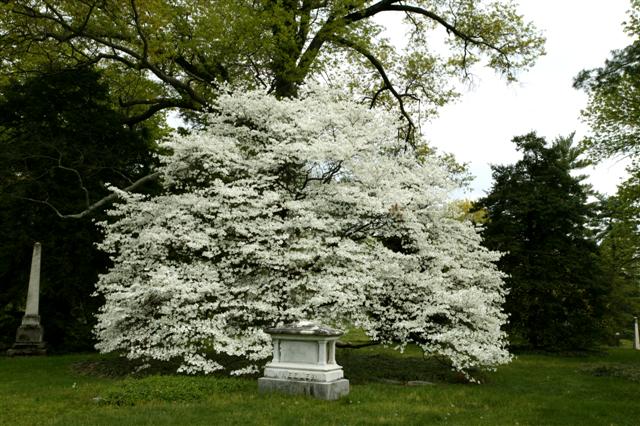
x=30 y=333
x=27 y=349
x=28 y=341
x=320 y=390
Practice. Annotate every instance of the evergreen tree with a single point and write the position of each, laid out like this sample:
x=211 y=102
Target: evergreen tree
x=538 y=216
x=61 y=144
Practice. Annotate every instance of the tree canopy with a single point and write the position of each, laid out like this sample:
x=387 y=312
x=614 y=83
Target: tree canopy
x=538 y=216
x=613 y=112
x=177 y=54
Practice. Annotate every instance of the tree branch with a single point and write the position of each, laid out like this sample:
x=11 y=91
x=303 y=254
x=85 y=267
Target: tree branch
x=387 y=83
x=376 y=95
x=370 y=11
x=305 y=23
x=143 y=38
x=80 y=181
x=156 y=105
x=478 y=41
x=393 y=6
x=201 y=73
x=142 y=61
x=98 y=204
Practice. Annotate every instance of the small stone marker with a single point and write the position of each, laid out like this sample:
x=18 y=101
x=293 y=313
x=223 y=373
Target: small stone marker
x=636 y=334
x=304 y=362
x=29 y=335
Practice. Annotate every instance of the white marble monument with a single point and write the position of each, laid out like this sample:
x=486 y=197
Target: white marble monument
x=30 y=333
x=304 y=362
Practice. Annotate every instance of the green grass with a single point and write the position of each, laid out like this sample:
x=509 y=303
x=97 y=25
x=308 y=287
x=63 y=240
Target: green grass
x=536 y=389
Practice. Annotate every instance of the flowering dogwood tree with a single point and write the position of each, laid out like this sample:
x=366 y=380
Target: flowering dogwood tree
x=283 y=210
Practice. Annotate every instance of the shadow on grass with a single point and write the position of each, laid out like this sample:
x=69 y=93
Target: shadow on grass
x=579 y=353
x=115 y=366
x=624 y=371
x=360 y=367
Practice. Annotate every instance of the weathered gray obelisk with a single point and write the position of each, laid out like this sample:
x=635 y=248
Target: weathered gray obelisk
x=29 y=336
x=636 y=334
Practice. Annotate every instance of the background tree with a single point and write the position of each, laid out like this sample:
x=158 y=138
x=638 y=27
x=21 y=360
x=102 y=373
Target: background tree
x=538 y=216
x=613 y=114
x=62 y=143
x=620 y=253
x=469 y=211
x=176 y=54
x=613 y=111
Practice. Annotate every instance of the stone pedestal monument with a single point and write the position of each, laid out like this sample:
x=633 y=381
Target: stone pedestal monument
x=636 y=334
x=304 y=362
x=29 y=337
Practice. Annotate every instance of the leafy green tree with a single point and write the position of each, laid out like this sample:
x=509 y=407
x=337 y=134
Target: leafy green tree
x=469 y=212
x=613 y=111
x=613 y=114
x=61 y=144
x=163 y=54
x=538 y=216
x=620 y=251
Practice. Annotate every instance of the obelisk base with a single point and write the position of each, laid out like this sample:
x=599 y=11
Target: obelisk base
x=29 y=340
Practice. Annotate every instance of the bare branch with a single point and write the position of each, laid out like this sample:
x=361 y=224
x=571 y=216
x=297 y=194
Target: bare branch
x=45 y=202
x=80 y=181
x=374 y=223
x=98 y=204
x=325 y=178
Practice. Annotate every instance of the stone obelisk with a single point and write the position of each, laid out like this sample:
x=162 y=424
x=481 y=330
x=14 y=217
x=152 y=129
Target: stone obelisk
x=30 y=333
x=636 y=334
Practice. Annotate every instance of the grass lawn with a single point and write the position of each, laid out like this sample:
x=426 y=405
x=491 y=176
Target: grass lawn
x=601 y=389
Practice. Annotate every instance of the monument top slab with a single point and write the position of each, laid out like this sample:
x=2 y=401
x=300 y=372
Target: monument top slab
x=306 y=328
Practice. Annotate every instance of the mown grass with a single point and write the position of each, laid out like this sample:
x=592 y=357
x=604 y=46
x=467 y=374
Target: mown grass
x=536 y=389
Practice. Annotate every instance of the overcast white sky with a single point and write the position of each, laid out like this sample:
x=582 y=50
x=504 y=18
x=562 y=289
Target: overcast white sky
x=479 y=127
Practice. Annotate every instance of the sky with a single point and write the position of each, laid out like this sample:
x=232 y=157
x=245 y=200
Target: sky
x=478 y=128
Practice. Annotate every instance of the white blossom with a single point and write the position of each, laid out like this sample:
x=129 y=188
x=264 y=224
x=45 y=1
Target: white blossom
x=284 y=210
